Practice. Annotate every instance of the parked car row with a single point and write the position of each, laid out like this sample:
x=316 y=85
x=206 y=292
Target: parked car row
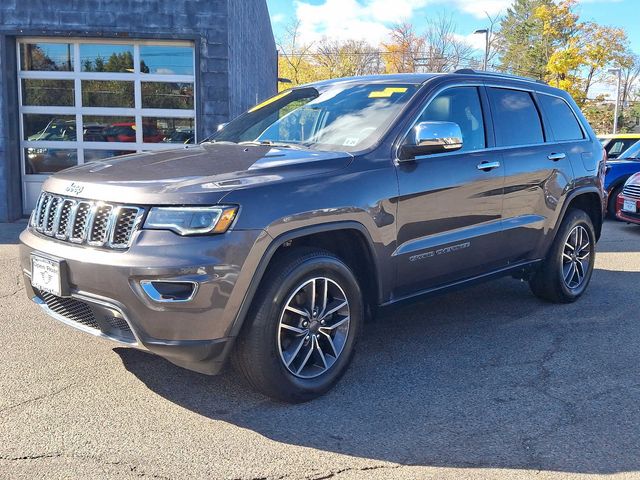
x=623 y=151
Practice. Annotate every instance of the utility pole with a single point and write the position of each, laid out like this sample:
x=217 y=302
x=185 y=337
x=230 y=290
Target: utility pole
x=617 y=71
x=486 y=46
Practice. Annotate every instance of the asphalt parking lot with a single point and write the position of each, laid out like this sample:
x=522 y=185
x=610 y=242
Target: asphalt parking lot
x=483 y=383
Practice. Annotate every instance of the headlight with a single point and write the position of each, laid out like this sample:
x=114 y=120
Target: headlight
x=191 y=220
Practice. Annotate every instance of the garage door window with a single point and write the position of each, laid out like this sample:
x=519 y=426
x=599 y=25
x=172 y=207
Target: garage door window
x=83 y=100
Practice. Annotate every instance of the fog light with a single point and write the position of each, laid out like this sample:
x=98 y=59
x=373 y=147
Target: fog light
x=165 y=291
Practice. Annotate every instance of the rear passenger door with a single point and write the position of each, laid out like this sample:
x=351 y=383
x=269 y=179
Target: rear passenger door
x=537 y=170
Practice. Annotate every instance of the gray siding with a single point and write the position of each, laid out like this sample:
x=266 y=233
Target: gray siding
x=235 y=51
x=253 y=60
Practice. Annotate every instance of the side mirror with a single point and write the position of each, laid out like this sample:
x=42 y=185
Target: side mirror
x=431 y=137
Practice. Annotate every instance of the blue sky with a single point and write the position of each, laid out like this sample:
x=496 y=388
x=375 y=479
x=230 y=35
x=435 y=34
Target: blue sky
x=369 y=19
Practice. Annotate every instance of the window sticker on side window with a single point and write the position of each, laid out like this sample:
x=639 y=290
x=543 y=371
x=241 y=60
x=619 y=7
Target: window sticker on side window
x=351 y=141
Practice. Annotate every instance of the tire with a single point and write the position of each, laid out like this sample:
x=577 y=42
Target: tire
x=611 y=202
x=274 y=359
x=549 y=282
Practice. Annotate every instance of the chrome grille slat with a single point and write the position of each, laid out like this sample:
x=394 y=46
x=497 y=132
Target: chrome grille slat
x=93 y=223
x=50 y=215
x=631 y=191
x=98 y=233
x=42 y=209
x=63 y=221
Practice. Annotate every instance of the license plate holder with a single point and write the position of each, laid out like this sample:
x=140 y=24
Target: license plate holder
x=48 y=275
x=630 y=206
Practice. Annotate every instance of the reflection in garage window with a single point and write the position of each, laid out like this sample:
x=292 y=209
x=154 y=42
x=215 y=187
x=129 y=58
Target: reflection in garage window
x=46 y=56
x=48 y=160
x=171 y=130
x=167 y=95
x=51 y=128
x=107 y=93
x=108 y=128
x=106 y=58
x=47 y=93
x=166 y=60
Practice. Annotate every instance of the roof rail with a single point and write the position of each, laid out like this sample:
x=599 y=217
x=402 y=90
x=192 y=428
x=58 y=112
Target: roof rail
x=498 y=74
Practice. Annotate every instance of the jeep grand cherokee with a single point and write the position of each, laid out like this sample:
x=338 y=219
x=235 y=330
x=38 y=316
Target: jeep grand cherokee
x=273 y=240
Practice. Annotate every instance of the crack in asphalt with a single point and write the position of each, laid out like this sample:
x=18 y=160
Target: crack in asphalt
x=32 y=457
x=354 y=469
x=542 y=384
x=19 y=288
x=134 y=469
x=36 y=399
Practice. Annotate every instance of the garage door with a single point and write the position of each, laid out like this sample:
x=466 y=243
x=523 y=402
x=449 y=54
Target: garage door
x=82 y=101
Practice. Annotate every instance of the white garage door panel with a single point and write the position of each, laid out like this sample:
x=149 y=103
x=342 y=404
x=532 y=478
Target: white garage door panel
x=85 y=100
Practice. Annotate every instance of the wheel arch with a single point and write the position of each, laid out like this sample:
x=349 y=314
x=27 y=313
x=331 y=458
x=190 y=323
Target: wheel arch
x=590 y=200
x=365 y=267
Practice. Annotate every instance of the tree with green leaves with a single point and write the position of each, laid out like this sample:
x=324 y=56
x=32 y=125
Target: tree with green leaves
x=521 y=43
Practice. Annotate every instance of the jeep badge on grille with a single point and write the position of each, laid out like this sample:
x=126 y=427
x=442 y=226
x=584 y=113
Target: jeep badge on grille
x=74 y=189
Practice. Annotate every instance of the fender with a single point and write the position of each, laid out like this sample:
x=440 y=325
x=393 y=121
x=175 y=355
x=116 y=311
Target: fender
x=278 y=242
x=565 y=205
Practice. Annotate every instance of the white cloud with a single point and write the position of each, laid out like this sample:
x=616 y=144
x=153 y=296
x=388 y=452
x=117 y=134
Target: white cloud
x=473 y=39
x=351 y=19
x=338 y=19
x=394 y=11
x=480 y=8
x=278 y=18
x=370 y=20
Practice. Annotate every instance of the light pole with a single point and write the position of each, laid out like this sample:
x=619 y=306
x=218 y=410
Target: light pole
x=486 y=46
x=617 y=71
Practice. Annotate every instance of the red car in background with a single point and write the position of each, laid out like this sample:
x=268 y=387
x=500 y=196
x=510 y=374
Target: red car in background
x=628 y=202
x=126 y=132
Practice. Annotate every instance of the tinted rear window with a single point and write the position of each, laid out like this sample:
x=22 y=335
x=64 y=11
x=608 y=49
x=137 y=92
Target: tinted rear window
x=562 y=121
x=515 y=117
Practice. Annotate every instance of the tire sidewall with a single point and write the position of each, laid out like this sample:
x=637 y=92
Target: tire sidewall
x=575 y=218
x=611 y=202
x=270 y=313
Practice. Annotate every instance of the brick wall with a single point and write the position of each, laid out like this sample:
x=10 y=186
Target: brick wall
x=234 y=43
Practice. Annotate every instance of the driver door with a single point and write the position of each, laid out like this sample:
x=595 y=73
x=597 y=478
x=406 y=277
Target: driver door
x=450 y=208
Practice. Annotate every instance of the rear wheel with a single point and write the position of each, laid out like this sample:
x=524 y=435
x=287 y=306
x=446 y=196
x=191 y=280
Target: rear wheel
x=302 y=327
x=566 y=272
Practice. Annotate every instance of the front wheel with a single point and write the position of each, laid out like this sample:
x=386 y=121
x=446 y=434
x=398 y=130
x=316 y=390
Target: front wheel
x=566 y=271
x=302 y=327
x=611 y=203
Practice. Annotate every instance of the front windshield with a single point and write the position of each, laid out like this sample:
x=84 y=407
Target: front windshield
x=339 y=117
x=632 y=153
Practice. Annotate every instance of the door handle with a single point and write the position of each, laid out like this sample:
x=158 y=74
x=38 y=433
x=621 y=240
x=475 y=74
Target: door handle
x=554 y=157
x=486 y=166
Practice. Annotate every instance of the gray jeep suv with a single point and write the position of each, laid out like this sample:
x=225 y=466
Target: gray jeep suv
x=272 y=241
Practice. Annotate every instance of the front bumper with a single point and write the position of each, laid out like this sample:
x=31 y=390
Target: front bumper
x=105 y=296
x=626 y=216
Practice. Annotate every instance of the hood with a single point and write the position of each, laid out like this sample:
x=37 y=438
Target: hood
x=622 y=161
x=194 y=174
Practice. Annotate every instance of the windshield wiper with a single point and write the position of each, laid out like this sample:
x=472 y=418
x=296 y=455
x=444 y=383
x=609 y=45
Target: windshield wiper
x=271 y=143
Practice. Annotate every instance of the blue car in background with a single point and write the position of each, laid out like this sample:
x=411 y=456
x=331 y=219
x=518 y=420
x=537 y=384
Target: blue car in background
x=618 y=171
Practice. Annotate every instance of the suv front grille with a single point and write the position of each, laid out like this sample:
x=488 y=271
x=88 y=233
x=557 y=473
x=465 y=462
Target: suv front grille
x=632 y=191
x=97 y=224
